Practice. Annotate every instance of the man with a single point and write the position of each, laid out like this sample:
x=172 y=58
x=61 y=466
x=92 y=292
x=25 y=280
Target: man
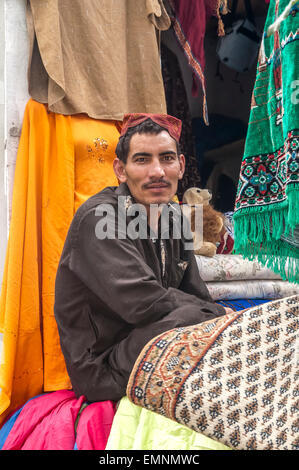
x=115 y=293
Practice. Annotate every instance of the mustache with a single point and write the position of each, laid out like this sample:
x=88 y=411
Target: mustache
x=153 y=183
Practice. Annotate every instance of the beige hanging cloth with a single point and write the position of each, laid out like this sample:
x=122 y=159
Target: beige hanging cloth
x=99 y=58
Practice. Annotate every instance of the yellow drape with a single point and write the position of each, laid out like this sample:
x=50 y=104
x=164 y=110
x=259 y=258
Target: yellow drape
x=61 y=161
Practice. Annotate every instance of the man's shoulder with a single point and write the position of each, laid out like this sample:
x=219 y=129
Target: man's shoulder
x=88 y=209
x=110 y=196
x=106 y=196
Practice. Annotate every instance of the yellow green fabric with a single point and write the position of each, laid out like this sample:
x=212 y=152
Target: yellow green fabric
x=135 y=428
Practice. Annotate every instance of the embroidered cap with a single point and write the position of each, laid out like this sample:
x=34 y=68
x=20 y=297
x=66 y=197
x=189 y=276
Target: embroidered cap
x=170 y=123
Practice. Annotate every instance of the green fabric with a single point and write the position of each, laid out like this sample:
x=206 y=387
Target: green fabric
x=135 y=428
x=266 y=218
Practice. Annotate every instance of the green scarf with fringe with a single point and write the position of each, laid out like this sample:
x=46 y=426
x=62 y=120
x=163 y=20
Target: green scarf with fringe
x=266 y=216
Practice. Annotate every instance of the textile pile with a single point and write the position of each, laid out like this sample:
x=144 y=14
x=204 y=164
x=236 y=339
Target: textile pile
x=230 y=277
x=247 y=361
x=237 y=282
x=234 y=379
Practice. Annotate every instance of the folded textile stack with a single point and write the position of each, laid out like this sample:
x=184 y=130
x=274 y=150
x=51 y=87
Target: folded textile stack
x=230 y=277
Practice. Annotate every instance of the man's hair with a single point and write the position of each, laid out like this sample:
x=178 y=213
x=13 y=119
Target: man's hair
x=146 y=127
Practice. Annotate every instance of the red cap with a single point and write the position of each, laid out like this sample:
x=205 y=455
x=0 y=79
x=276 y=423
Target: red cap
x=170 y=123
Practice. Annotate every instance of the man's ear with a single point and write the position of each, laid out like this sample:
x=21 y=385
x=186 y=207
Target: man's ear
x=119 y=170
x=182 y=166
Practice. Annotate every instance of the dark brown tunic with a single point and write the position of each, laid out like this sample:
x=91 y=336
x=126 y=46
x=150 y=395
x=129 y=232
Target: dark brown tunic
x=113 y=295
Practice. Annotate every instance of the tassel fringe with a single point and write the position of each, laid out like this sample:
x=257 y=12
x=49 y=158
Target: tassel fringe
x=267 y=233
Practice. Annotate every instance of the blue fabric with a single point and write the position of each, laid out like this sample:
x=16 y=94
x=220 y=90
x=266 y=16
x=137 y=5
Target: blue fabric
x=241 y=304
x=7 y=427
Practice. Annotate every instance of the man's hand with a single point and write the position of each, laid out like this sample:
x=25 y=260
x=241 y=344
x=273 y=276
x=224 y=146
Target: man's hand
x=228 y=310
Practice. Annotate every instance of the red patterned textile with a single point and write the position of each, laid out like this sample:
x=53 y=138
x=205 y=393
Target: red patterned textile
x=189 y=23
x=170 y=123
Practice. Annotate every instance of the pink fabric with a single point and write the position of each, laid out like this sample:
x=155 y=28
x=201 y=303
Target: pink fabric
x=94 y=425
x=46 y=423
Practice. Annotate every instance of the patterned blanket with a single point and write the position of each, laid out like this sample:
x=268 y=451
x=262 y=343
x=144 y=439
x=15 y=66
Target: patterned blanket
x=232 y=268
x=259 y=289
x=234 y=379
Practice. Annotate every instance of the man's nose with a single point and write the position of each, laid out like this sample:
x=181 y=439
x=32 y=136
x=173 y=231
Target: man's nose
x=156 y=170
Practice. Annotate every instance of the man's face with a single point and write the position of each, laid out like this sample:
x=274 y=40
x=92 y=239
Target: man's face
x=153 y=168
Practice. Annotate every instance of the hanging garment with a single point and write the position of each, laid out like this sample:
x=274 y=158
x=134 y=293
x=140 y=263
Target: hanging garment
x=266 y=219
x=61 y=161
x=189 y=23
x=98 y=58
x=94 y=142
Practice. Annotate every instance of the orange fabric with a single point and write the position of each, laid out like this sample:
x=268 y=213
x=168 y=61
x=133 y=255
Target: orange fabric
x=95 y=143
x=61 y=161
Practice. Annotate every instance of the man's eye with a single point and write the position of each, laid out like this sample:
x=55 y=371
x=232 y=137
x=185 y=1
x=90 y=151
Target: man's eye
x=140 y=160
x=168 y=157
